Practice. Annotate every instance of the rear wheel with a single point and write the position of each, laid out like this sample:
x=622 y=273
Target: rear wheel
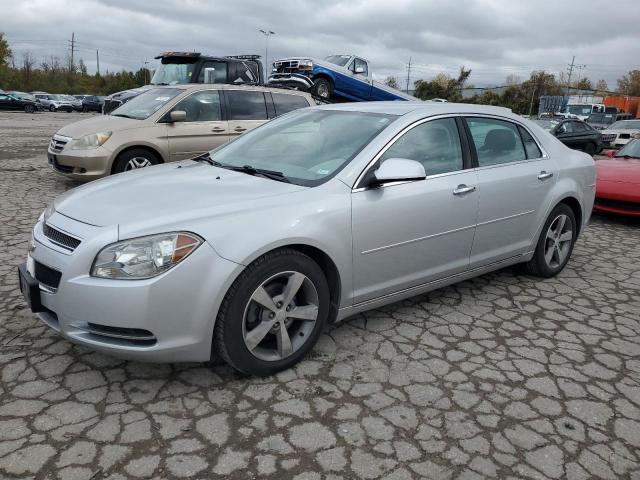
x=322 y=87
x=555 y=243
x=52 y=108
x=273 y=313
x=134 y=160
x=29 y=109
x=590 y=148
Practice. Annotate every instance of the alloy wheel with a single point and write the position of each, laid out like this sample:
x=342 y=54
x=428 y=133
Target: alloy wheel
x=137 y=162
x=323 y=90
x=558 y=241
x=280 y=316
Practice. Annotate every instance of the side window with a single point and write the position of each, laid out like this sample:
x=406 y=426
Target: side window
x=578 y=127
x=220 y=74
x=285 y=103
x=201 y=106
x=496 y=141
x=246 y=105
x=435 y=144
x=530 y=145
x=361 y=64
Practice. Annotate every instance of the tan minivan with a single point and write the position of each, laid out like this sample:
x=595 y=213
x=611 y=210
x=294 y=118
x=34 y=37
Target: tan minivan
x=165 y=124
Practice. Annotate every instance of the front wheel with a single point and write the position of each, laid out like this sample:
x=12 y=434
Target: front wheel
x=52 y=108
x=322 y=87
x=29 y=109
x=134 y=160
x=273 y=313
x=555 y=244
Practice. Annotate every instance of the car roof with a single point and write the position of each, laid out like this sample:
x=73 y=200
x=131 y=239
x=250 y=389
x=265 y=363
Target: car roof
x=194 y=87
x=427 y=108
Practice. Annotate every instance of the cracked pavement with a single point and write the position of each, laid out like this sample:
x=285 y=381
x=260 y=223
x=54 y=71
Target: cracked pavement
x=504 y=376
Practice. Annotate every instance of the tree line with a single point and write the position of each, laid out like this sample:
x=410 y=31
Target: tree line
x=53 y=75
x=518 y=95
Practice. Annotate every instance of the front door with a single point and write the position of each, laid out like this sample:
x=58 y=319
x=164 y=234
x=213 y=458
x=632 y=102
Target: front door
x=514 y=180
x=411 y=233
x=203 y=129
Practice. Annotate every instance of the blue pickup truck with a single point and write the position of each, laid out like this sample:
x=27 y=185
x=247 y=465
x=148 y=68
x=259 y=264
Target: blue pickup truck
x=345 y=77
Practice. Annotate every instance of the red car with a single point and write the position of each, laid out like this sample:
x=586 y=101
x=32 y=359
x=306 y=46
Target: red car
x=618 y=181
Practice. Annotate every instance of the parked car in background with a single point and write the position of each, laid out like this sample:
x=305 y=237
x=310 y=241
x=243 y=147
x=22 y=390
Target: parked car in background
x=92 y=103
x=27 y=96
x=600 y=121
x=249 y=251
x=53 y=102
x=574 y=134
x=620 y=133
x=76 y=103
x=190 y=67
x=166 y=124
x=582 y=111
x=9 y=101
x=343 y=76
x=618 y=181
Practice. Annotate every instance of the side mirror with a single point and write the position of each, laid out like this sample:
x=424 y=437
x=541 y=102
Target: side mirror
x=178 y=116
x=359 y=70
x=398 y=170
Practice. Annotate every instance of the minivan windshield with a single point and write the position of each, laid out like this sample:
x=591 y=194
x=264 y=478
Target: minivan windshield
x=307 y=146
x=147 y=103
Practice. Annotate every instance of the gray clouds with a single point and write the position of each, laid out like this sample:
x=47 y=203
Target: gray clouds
x=493 y=37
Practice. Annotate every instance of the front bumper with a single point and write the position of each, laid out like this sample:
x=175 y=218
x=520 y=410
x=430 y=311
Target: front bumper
x=83 y=165
x=168 y=318
x=291 y=80
x=609 y=199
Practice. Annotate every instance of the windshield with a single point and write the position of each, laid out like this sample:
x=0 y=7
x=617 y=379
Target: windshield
x=307 y=146
x=579 y=109
x=626 y=125
x=56 y=97
x=147 y=103
x=546 y=124
x=631 y=149
x=338 y=59
x=173 y=73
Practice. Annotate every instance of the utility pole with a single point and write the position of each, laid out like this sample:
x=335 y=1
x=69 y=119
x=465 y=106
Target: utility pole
x=408 y=74
x=72 y=45
x=97 y=63
x=267 y=34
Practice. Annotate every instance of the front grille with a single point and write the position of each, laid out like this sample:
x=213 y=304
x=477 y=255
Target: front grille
x=60 y=238
x=58 y=143
x=608 y=137
x=46 y=275
x=620 y=204
x=135 y=336
x=286 y=66
x=110 y=105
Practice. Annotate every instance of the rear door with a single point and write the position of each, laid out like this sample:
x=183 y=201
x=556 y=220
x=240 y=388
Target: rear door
x=246 y=110
x=204 y=128
x=285 y=102
x=514 y=181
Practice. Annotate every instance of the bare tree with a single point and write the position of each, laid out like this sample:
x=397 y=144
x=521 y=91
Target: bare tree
x=392 y=81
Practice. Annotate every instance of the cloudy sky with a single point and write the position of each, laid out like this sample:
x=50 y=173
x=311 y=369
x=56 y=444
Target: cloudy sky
x=494 y=38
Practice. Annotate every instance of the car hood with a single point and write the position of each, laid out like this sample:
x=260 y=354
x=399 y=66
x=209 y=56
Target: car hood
x=97 y=124
x=180 y=190
x=621 y=130
x=618 y=170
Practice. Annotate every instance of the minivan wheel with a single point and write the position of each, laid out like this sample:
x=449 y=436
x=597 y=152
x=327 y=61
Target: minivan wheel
x=52 y=108
x=29 y=109
x=555 y=243
x=134 y=160
x=273 y=313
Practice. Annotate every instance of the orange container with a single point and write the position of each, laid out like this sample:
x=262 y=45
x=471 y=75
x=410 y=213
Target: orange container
x=624 y=103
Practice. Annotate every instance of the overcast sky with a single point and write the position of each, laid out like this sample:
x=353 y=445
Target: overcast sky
x=492 y=37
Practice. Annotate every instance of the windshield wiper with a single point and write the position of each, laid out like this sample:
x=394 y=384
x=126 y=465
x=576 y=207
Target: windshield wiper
x=271 y=174
x=205 y=157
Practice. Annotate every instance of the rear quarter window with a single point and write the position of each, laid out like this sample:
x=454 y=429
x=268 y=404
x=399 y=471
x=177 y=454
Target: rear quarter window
x=285 y=103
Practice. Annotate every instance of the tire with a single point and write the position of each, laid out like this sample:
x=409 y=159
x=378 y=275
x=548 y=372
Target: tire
x=52 y=108
x=322 y=88
x=29 y=109
x=141 y=156
x=240 y=314
x=590 y=148
x=85 y=109
x=545 y=266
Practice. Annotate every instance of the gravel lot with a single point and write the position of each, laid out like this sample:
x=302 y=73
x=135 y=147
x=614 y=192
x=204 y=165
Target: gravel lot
x=504 y=376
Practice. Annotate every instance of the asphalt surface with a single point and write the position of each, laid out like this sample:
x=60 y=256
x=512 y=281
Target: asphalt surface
x=504 y=376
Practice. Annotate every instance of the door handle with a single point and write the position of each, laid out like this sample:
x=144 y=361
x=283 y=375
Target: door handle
x=217 y=130
x=543 y=175
x=463 y=189
x=239 y=129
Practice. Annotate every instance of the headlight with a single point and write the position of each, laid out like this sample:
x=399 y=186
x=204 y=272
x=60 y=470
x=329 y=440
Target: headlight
x=50 y=210
x=89 y=142
x=305 y=65
x=144 y=257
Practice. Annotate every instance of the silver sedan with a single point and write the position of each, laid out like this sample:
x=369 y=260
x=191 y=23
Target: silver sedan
x=250 y=250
